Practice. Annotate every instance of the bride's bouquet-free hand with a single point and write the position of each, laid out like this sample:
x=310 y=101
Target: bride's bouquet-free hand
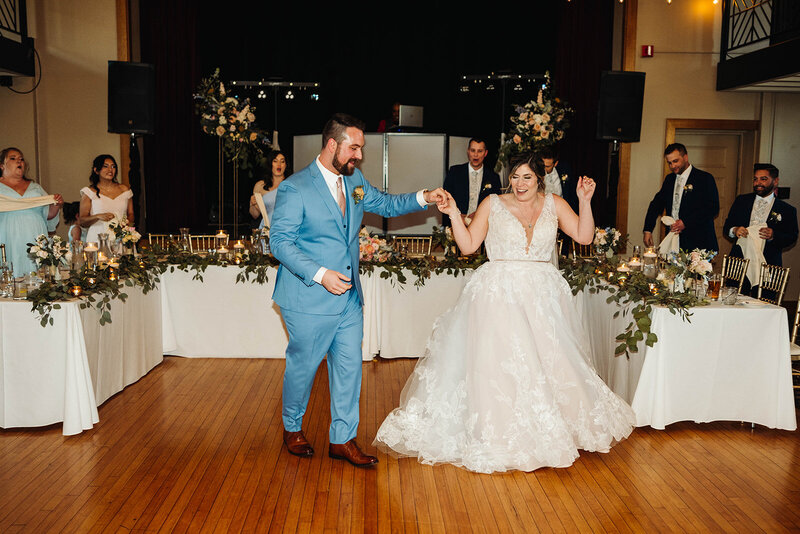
x=123 y=232
x=48 y=250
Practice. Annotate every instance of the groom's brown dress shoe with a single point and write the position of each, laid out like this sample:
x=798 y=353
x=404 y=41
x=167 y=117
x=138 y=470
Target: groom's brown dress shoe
x=349 y=451
x=297 y=443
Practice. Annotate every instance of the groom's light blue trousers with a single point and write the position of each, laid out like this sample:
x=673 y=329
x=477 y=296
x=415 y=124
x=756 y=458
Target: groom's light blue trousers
x=311 y=337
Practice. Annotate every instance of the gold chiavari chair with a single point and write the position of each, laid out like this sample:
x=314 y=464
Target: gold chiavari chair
x=158 y=239
x=198 y=243
x=794 y=348
x=582 y=251
x=733 y=270
x=773 y=280
x=413 y=246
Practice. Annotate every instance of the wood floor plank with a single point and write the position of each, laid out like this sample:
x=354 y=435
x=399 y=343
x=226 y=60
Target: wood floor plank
x=196 y=446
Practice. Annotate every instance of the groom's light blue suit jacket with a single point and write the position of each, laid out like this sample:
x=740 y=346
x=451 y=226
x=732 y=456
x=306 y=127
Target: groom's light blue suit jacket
x=309 y=232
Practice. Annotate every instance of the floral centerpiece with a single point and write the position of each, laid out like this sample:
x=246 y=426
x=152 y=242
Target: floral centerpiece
x=444 y=237
x=48 y=251
x=539 y=123
x=372 y=248
x=608 y=241
x=124 y=234
x=225 y=116
x=683 y=265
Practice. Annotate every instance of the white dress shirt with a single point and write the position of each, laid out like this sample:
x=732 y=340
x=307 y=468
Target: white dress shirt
x=677 y=194
x=760 y=212
x=330 y=180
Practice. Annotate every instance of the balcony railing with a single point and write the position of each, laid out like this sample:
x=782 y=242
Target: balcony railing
x=750 y=25
x=13 y=20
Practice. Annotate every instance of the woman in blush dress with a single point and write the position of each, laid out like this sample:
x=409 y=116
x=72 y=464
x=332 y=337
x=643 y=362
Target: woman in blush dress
x=506 y=382
x=104 y=199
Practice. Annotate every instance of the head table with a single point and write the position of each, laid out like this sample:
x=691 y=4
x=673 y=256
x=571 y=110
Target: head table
x=729 y=363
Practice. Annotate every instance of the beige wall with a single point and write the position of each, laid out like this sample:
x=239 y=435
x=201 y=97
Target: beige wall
x=62 y=126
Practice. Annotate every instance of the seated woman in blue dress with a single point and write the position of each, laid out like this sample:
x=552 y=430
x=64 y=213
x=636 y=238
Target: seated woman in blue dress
x=18 y=227
x=268 y=187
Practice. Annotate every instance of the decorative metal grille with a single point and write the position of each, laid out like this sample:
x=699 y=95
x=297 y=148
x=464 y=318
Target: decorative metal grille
x=13 y=23
x=749 y=22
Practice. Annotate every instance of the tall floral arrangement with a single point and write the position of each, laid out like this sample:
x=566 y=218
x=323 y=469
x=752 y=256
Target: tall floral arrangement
x=537 y=124
x=47 y=250
x=685 y=263
x=232 y=120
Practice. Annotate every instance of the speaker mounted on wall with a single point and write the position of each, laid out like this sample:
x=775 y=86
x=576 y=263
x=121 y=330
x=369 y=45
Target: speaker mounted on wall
x=131 y=103
x=619 y=112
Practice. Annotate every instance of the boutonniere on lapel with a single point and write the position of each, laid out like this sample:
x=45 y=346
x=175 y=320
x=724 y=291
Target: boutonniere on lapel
x=774 y=217
x=564 y=178
x=358 y=194
x=487 y=185
x=688 y=188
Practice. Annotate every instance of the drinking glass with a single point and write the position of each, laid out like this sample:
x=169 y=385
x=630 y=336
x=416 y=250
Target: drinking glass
x=714 y=284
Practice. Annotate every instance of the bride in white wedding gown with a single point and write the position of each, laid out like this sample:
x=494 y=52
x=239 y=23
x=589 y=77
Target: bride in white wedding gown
x=505 y=382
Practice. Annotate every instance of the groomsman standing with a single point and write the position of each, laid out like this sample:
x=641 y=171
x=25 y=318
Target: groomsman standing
x=471 y=182
x=690 y=196
x=762 y=206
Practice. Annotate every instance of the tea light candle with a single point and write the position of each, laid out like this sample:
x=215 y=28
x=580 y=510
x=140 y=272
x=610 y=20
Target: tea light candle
x=237 y=260
x=222 y=250
x=221 y=234
x=76 y=291
x=91 y=280
x=90 y=247
x=635 y=264
x=238 y=246
x=623 y=268
x=653 y=288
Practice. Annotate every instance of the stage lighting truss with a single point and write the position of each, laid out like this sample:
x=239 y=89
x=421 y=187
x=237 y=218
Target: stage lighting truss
x=292 y=89
x=490 y=82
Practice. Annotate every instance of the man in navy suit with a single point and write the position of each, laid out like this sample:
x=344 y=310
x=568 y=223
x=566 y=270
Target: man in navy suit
x=763 y=206
x=560 y=181
x=690 y=196
x=314 y=235
x=471 y=182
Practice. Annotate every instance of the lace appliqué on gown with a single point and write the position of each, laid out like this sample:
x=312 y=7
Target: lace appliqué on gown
x=505 y=382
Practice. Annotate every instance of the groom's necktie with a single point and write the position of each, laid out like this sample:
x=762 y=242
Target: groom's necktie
x=340 y=196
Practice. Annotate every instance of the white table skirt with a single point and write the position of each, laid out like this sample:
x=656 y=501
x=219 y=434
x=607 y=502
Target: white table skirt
x=218 y=318
x=62 y=372
x=731 y=363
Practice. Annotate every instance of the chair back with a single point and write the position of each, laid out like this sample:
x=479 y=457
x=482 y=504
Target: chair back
x=158 y=239
x=413 y=246
x=198 y=243
x=734 y=269
x=796 y=324
x=582 y=251
x=773 y=280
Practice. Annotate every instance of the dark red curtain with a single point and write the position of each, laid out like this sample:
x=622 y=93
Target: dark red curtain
x=174 y=194
x=584 y=51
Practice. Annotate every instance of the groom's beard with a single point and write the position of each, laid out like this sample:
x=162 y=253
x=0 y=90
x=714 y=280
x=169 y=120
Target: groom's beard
x=347 y=168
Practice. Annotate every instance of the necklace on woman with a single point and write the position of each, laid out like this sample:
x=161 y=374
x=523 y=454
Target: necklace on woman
x=530 y=220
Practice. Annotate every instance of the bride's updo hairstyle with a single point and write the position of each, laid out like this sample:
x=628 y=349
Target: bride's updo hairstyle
x=534 y=161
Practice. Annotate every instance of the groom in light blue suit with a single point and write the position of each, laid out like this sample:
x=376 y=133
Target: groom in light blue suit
x=314 y=235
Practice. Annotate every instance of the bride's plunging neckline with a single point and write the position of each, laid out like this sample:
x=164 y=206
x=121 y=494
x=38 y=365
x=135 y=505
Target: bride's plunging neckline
x=531 y=225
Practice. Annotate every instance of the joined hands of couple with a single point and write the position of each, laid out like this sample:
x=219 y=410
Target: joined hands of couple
x=337 y=283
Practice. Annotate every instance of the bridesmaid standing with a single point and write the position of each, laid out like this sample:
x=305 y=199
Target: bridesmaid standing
x=20 y=227
x=104 y=199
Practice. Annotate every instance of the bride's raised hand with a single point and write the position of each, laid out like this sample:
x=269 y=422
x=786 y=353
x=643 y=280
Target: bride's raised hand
x=448 y=206
x=586 y=187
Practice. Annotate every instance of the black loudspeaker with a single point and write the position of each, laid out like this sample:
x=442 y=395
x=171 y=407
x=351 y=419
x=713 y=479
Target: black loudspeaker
x=619 y=112
x=131 y=103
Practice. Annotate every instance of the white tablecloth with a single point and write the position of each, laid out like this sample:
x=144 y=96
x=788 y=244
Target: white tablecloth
x=218 y=318
x=731 y=363
x=62 y=372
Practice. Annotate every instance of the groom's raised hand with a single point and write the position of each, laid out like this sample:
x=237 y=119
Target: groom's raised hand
x=335 y=283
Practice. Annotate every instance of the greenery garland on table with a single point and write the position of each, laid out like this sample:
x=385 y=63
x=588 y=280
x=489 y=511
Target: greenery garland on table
x=601 y=275
x=100 y=287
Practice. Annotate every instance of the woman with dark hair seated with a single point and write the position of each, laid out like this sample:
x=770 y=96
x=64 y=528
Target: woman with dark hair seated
x=104 y=199
x=71 y=216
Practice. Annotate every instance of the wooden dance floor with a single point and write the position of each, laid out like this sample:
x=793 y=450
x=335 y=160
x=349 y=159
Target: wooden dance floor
x=195 y=446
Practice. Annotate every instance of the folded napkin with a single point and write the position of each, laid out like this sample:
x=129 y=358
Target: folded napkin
x=263 y=209
x=671 y=243
x=753 y=249
x=16 y=204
